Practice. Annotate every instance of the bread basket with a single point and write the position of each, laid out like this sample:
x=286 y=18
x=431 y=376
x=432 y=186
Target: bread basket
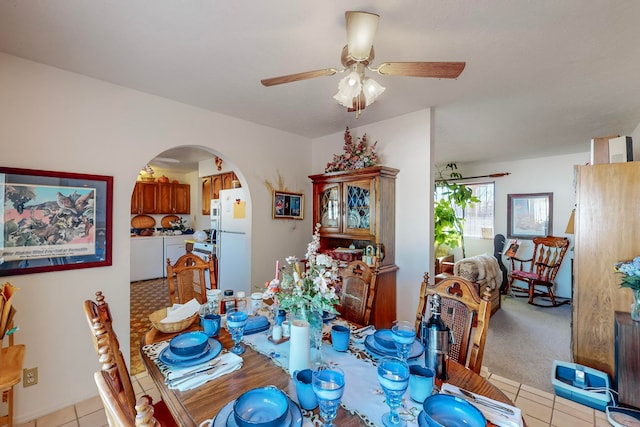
x=170 y=328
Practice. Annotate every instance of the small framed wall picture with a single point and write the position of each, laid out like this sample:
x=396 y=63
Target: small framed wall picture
x=529 y=215
x=287 y=205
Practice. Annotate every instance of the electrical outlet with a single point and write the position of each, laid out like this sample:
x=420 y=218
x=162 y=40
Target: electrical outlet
x=29 y=377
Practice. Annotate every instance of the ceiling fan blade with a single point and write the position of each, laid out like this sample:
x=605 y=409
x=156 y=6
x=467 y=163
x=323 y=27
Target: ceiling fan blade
x=298 y=76
x=440 y=70
x=361 y=29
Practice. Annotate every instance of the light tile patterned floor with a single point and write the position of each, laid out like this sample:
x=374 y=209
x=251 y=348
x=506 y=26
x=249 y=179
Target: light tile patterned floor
x=539 y=408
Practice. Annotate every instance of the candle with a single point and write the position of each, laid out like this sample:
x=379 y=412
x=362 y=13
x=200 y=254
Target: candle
x=277 y=269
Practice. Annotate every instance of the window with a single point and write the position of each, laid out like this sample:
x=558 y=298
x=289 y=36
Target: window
x=478 y=220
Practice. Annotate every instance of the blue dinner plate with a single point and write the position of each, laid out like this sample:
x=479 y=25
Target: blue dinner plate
x=376 y=349
x=225 y=417
x=167 y=357
x=256 y=322
x=257 y=330
x=328 y=317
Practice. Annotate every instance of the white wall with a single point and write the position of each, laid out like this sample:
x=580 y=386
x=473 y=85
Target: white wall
x=403 y=143
x=54 y=120
x=541 y=175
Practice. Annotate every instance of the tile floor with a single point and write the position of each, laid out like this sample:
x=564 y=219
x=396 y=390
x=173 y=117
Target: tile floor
x=540 y=409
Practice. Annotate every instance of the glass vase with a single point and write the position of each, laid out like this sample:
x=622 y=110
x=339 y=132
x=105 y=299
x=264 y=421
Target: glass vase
x=635 y=306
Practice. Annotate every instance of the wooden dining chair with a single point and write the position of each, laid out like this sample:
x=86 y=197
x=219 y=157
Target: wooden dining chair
x=11 y=362
x=540 y=271
x=187 y=278
x=357 y=294
x=113 y=380
x=464 y=312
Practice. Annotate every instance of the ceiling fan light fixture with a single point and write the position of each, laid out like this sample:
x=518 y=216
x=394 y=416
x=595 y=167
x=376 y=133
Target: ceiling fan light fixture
x=348 y=88
x=372 y=90
x=361 y=28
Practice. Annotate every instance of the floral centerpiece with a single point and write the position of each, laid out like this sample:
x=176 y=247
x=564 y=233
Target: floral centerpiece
x=356 y=155
x=631 y=280
x=311 y=290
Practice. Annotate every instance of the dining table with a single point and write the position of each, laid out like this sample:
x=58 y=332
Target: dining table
x=261 y=366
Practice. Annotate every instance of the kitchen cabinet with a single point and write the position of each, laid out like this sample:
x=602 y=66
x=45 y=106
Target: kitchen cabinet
x=147 y=258
x=606 y=215
x=358 y=208
x=174 y=248
x=144 y=199
x=211 y=186
x=174 y=198
x=160 y=198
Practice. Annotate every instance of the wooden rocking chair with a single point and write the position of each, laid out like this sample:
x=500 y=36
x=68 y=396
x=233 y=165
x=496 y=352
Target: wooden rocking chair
x=540 y=270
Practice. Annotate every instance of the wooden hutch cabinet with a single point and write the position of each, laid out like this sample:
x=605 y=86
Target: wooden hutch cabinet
x=211 y=186
x=358 y=208
x=174 y=198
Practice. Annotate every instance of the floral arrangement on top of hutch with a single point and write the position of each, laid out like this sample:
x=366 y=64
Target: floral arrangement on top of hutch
x=354 y=203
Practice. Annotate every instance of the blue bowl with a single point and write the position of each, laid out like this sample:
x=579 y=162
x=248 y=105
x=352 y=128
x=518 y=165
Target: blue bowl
x=261 y=407
x=442 y=410
x=189 y=343
x=384 y=337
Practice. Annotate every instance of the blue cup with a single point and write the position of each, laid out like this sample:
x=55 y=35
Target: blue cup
x=340 y=337
x=211 y=325
x=304 y=389
x=420 y=382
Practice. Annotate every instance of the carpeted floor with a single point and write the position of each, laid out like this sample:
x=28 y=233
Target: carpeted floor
x=523 y=341
x=146 y=296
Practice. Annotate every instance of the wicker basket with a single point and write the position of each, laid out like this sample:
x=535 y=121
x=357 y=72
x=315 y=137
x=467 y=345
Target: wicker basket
x=169 y=328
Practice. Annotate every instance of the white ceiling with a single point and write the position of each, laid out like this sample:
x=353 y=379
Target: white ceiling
x=542 y=77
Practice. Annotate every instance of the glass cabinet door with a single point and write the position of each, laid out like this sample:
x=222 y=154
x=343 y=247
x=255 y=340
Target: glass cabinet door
x=358 y=200
x=329 y=207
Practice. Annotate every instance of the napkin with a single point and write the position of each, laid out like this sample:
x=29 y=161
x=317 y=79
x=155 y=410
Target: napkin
x=496 y=417
x=229 y=362
x=180 y=312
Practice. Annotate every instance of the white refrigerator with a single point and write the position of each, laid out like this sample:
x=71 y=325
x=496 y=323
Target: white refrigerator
x=233 y=261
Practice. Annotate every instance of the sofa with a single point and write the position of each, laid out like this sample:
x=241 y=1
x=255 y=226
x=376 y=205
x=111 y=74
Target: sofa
x=484 y=271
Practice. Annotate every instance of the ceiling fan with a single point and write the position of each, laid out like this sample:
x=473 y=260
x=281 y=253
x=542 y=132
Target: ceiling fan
x=356 y=91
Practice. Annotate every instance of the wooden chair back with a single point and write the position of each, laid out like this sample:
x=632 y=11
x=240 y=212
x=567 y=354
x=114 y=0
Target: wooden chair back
x=187 y=278
x=541 y=269
x=464 y=312
x=357 y=292
x=113 y=380
x=118 y=414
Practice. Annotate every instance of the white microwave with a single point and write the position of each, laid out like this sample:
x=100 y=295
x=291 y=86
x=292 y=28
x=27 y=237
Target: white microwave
x=214 y=212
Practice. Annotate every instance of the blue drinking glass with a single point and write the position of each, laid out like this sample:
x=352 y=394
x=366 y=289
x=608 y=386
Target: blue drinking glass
x=236 y=321
x=328 y=385
x=393 y=374
x=404 y=334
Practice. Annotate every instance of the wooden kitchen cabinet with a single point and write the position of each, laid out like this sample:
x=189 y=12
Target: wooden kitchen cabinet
x=211 y=186
x=358 y=207
x=174 y=198
x=144 y=199
x=606 y=217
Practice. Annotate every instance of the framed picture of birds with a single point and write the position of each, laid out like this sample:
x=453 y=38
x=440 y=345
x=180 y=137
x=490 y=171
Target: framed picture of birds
x=54 y=221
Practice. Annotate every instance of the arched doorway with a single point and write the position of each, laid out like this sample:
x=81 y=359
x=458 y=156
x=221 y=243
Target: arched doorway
x=173 y=190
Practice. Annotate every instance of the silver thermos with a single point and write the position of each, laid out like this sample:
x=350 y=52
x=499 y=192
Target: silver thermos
x=436 y=337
